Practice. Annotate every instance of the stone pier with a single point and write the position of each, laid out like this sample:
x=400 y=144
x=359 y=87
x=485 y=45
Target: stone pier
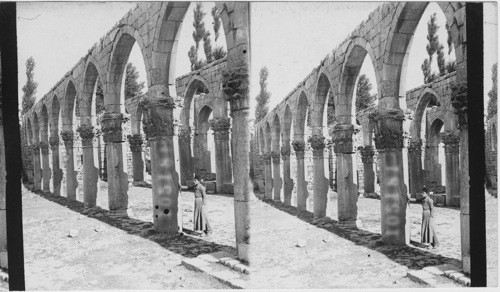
x=347 y=188
x=111 y=127
x=90 y=172
x=57 y=173
x=367 y=153
x=71 y=181
x=135 y=142
x=186 y=159
x=275 y=155
x=320 y=181
x=221 y=126
x=415 y=168
x=37 y=171
x=288 y=181
x=269 y=175
x=160 y=129
x=451 y=140
x=302 y=194
x=44 y=148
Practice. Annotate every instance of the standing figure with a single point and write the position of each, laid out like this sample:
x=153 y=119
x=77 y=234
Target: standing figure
x=428 y=232
x=200 y=222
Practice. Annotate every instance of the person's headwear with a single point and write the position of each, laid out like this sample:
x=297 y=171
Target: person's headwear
x=424 y=189
x=197 y=177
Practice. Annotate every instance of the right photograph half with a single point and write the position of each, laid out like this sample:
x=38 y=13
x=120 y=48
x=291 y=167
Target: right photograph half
x=364 y=136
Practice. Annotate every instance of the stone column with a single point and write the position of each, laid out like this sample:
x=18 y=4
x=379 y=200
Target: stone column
x=432 y=165
x=451 y=140
x=288 y=181
x=111 y=127
x=135 y=142
x=90 y=172
x=347 y=188
x=394 y=199
x=269 y=175
x=320 y=181
x=415 y=168
x=37 y=171
x=367 y=153
x=276 y=175
x=57 y=173
x=331 y=171
x=3 y=207
x=44 y=147
x=71 y=181
x=160 y=129
x=299 y=147
x=186 y=159
x=221 y=126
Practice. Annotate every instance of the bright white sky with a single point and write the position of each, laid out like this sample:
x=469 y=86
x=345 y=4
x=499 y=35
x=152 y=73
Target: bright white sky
x=57 y=35
x=306 y=33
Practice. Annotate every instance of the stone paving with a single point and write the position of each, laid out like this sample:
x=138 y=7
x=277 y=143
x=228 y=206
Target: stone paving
x=294 y=253
x=117 y=253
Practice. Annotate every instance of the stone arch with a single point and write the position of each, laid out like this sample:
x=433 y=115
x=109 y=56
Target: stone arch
x=123 y=42
x=287 y=124
x=322 y=87
x=427 y=97
x=44 y=125
x=402 y=29
x=300 y=117
x=276 y=130
x=90 y=78
x=54 y=116
x=354 y=57
x=69 y=105
x=196 y=85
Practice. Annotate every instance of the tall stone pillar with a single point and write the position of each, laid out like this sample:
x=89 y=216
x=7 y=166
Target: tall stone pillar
x=44 y=147
x=71 y=181
x=111 y=127
x=394 y=199
x=221 y=126
x=320 y=181
x=367 y=153
x=90 y=172
x=186 y=159
x=299 y=147
x=269 y=175
x=288 y=181
x=331 y=170
x=160 y=129
x=135 y=142
x=432 y=166
x=451 y=140
x=37 y=171
x=275 y=155
x=415 y=168
x=57 y=173
x=347 y=188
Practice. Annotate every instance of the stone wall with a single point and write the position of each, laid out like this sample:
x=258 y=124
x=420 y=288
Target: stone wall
x=491 y=155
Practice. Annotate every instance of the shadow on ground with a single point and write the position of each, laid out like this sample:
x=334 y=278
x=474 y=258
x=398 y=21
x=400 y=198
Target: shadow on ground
x=186 y=244
x=406 y=255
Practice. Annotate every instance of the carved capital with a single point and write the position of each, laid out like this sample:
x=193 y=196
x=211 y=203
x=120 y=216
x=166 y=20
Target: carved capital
x=415 y=147
x=68 y=137
x=135 y=142
x=318 y=145
x=367 y=153
x=275 y=156
x=111 y=127
x=158 y=117
x=44 y=147
x=299 y=147
x=285 y=150
x=267 y=157
x=86 y=133
x=235 y=86
x=451 y=141
x=185 y=135
x=388 y=128
x=220 y=126
x=342 y=138
x=459 y=101
x=54 y=142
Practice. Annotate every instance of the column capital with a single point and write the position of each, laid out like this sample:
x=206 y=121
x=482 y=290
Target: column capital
x=44 y=146
x=158 y=116
x=451 y=140
x=317 y=144
x=285 y=150
x=275 y=156
x=86 y=133
x=267 y=157
x=54 y=142
x=68 y=137
x=342 y=137
x=235 y=86
x=388 y=128
x=415 y=147
x=220 y=126
x=135 y=142
x=459 y=101
x=299 y=147
x=367 y=153
x=185 y=135
x=111 y=127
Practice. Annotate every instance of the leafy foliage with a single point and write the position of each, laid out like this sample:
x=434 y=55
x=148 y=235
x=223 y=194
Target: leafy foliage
x=492 y=94
x=29 y=89
x=441 y=61
x=207 y=46
x=263 y=97
x=431 y=47
x=99 y=98
x=132 y=87
x=217 y=22
x=363 y=97
x=218 y=53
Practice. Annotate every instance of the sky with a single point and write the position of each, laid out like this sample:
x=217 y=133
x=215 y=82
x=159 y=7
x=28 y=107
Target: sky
x=293 y=46
x=57 y=35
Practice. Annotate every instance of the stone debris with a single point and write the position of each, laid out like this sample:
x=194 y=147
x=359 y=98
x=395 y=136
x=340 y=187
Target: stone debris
x=99 y=228
x=327 y=239
x=301 y=243
x=73 y=233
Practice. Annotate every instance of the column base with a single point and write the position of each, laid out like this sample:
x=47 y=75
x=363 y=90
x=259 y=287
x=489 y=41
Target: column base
x=243 y=252
x=3 y=260
x=141 y=184
x=466 y=265
x=119 y=213
x=371 y=195
x=350 y=223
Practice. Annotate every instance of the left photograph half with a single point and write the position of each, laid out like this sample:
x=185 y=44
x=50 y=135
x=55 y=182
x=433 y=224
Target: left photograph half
x=135 y=141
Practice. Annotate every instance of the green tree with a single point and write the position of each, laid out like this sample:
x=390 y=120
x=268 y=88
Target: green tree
x=132 y=87
x=216 y=23
x=492 y=103
x=441 y=61
x=207 y=46
x=431 y=47
x=29 y=89
x=363 y=97
x=451 y=64
x=198 y=34
x=263 y=97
